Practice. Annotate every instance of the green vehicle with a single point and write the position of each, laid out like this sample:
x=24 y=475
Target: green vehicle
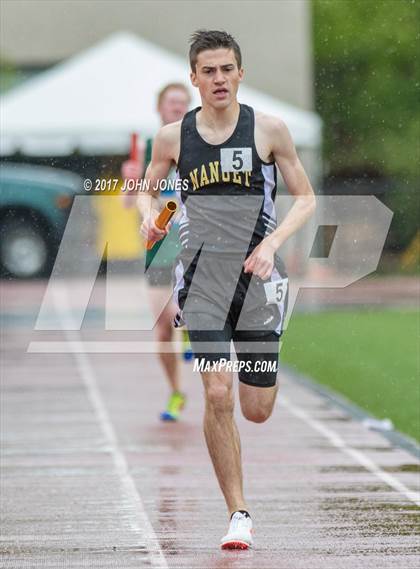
x=35 y=202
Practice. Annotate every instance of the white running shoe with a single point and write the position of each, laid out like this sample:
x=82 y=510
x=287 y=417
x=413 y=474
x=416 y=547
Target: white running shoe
x=239 y=535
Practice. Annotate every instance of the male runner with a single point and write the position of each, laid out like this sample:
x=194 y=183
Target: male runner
x=231 y=285
x=173 y=102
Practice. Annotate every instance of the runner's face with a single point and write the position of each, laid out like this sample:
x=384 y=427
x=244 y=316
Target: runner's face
x=173 y=106
x=217 y=77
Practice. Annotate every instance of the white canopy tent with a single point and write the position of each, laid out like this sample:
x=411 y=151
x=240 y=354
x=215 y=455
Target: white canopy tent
x=94 y=100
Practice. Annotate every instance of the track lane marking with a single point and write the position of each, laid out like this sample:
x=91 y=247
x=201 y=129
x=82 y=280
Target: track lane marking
x=358 y=456
x=141 y=525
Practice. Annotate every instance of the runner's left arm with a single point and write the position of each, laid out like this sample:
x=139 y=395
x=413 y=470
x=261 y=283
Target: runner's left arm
x=261 y=260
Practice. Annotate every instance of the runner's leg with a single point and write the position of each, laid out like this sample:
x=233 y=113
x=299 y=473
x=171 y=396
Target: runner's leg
x=222 y=437
x=257 y=402
x=258 y=377
x=164 y=332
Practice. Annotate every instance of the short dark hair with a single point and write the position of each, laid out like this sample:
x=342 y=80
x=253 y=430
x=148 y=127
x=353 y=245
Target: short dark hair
x=201 y=40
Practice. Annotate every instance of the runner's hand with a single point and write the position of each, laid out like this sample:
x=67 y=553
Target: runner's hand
x=261 y=261
x=133 y=170
x=150 y=232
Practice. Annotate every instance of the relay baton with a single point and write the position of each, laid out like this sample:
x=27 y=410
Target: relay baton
x=163 y=219
x=133 y=147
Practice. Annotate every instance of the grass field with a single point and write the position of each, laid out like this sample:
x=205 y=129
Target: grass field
x=369 y=356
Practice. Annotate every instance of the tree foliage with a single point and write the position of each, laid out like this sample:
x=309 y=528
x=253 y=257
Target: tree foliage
x=367 y=85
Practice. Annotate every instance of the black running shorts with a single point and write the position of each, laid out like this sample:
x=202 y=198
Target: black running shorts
x=221 y=304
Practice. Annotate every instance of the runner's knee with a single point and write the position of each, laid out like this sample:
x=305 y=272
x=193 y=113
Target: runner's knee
x=164 y=332
x=219 y=397
x=256 y=413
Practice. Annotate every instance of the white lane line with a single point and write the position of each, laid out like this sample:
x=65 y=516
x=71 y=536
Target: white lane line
x=140 y=522
x=358 y=456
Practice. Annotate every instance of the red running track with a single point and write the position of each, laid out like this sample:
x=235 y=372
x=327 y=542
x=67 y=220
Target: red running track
x=91 y=478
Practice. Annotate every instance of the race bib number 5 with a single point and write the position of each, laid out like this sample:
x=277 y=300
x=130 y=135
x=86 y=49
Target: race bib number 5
x=276 y=291
x=236 y=159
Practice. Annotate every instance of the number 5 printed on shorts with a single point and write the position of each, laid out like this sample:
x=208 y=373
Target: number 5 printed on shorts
x=275 y=291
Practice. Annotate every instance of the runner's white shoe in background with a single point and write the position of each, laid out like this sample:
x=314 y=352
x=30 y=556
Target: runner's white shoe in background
x=239 y=535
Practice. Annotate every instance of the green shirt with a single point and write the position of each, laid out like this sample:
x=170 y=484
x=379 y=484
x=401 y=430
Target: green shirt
x=172 y=246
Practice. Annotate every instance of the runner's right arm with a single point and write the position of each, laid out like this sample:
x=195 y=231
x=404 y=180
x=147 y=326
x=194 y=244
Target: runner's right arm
x=148 y=199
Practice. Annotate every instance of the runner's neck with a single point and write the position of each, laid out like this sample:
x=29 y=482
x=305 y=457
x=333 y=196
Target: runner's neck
x=218 y=119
